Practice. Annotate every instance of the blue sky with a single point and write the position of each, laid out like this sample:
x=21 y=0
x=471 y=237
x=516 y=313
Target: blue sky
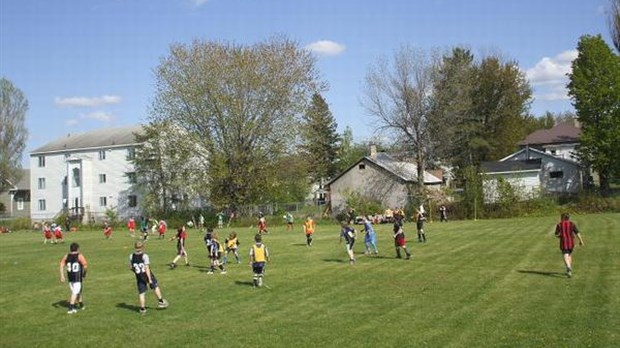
x=88 y=64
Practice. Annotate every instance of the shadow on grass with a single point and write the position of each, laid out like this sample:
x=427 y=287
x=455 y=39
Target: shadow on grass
x=298 y=244
x=244 y=283
x=543 y=273
x=61 y=304
x=336 y=260
x=127 y=306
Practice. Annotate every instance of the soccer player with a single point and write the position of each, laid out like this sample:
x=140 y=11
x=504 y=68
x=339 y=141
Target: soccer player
x=262 y=224
x=131 y=225
x=181 y=252
x=289 y=221
x=107 y=230
x=140 y=264
x=348 y=234
x=74 y=263
x=162 y=229
x=566 y=230
x=370 y=239
x=399 y=240
x=215 y=252
x=309 y=226
x=57 y=233
x=443 y=214
x=47 y=234
x=259 y=255
x=220 y=220
x=420 y=218
x=232 y=244
x=144 y=227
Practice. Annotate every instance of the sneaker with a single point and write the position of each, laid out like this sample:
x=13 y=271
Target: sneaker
x=163 y=304
x=210 y=272
x=569 y=273
x=223 y=272
x=173 y=265
x=187 y=264
x=142 y=310
x=72 y=311
x=408 y=257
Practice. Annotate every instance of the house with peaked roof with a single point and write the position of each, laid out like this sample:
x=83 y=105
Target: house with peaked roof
x=16 y=200
x=561 y=140
x=85 y=175
x=533 y=172
x=378 y=176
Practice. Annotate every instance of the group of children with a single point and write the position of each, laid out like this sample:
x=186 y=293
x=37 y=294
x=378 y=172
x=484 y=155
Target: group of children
x=52 y=234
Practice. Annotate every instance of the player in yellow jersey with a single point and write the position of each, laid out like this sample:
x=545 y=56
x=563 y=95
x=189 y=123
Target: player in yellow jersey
x=309 y=226
x=259 y=255
x=232 y=244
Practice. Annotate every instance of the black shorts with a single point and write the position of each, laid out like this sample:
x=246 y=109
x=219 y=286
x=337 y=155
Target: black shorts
x=258 y=267
x=567 y=251
x=143 y=286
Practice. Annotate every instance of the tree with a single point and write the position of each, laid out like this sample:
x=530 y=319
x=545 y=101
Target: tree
x=500 y=103
x=13 y=132
x=168 y=173
x=240 y=104
x=320 y=140
x=614 y=23
x=399 y=96
x=594 y=89
x=349 y=151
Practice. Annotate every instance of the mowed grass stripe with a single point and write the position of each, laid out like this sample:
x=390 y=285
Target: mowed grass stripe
x=474 y=283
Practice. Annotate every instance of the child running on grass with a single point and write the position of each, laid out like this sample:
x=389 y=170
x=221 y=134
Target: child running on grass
x=181 y=252
x=140 y=264
x=309 y=226
x=259 y=255
x=370 y=239
x=107 y=230
x=232 y=245
x=74 y=263
x=566 y=231
x=215 y=253
x=349 y=234
x=399 y=240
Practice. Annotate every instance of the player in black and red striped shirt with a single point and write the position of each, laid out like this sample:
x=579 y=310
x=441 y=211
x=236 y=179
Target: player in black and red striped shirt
x=566 y=230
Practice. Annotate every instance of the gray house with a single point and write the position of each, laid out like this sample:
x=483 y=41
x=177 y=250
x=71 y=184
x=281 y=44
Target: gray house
x=16 y=200
x=534 y=172
x=378 y=176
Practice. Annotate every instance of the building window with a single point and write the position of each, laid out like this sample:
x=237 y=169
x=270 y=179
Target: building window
x=131 y=154
x=41 y=183
x=361 y=166
x=556 y=174
x=133 y=201
x=103 y=201
x=131 y=177
x=101 y=155
x=20 y=203
x=41 y=161
x=76 y=177
x=102 y=178
x=41 y=204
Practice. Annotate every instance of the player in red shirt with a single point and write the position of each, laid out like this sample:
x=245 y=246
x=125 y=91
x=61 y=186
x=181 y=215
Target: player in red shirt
x=262 y=224
x=162 y=229
x=566 y=230
x=107 y=230
x=57 y=233
x=180 y=237
x=131 y=225
x=47 y=234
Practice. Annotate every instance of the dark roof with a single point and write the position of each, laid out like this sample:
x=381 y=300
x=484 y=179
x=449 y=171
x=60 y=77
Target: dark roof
x=405 y=171
x=24 y=182
x=564 y=132
x=511 y=166
x=94 y=139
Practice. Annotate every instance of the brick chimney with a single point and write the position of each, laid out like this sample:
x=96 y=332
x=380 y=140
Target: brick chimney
x=373 y=151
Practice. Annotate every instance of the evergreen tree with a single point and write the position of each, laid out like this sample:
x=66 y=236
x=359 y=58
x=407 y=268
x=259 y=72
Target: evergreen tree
x=320 y=140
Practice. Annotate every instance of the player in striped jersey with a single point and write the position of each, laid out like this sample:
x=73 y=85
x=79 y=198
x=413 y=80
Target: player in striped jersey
x=566 y=230
x=75 y=265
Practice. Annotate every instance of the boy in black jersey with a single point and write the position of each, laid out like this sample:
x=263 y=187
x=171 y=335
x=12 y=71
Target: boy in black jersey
x=139 y=263
x=75 y=265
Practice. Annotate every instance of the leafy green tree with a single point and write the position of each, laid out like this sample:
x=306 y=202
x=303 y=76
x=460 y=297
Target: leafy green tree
x=241 y=105
x=349 y=151
x=13 y=132
x=500 y=102
x=595 y=90
x=320 y=140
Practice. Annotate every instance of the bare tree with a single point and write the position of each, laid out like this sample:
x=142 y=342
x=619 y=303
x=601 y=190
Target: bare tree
x=614 y=23
x=398 y=93
x=13 y=132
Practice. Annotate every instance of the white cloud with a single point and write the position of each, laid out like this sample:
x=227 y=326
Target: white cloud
x=326 y=48
x=98 y=116
x=552 y=70
x=199 y=2
x=72 y=122
x=86 y=101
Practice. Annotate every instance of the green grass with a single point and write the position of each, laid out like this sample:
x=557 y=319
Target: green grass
x=474 y=284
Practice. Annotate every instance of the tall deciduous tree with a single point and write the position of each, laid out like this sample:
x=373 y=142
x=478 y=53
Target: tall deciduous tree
x=399 y=95
x=595 y=90
x=320 y=140
x=13 y=132
x=349 y=151
x=614 y=23
x=240 y=104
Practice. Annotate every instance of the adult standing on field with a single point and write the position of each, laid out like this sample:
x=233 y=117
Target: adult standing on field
x=75 y=265
x=566 y=230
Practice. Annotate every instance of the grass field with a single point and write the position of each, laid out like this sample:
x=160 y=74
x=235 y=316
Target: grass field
x=495 y=283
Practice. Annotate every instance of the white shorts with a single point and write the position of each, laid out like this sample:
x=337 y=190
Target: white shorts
x=76 y=288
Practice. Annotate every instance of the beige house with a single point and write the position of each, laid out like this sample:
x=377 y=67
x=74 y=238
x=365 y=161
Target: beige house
x=16 y=201
x=377 y=176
